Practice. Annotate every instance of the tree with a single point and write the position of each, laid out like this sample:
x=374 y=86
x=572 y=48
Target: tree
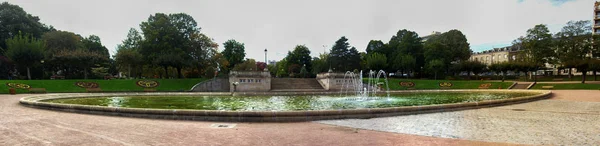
x=248 y=65
x=234 y=52
x=320 y=64
x=406 y=42
x=583 y=66
x=501 y=68
x=300 y=56
x=352 y=59
x=449 y=47
x=78 y=59
x=573 y=42
x=128 y=55
x=435 y=66
x=13 y=19
x=376 y=61
x=338 y=55
x=404 y=63
x=201 y=51
x=537 y=45
x=282 y=67
x=342 y=57
x=93 y=44
x=167 y=40
x=60 y=41
x=376 y=46
x=303 y=71
x=594 y=67
x=25 y=51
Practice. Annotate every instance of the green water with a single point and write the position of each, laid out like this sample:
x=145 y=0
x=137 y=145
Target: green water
x=286 y=103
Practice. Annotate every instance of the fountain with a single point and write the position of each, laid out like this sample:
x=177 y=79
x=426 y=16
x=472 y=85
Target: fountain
x=353 y=85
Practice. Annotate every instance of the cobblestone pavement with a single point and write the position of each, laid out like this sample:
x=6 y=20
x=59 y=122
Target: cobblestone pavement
x=568 y=118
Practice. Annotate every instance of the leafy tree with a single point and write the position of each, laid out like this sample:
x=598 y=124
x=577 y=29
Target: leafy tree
x=352 y=59
x=376 y=61
x=25 y=51
x=234 y=52
x=167 y=40
x=61 y=40
x=501 y=68
x=573 y=42
x=78 y=59
x=93 y=44
x=594 y=67
x=404 y=63
x=320 y=64
x=128 y=52
x=303 y=71
x=260 y=66
x=126 y=58
x=300 y=56
x=537 y=44
x=406 y=42
x=57 y=42
x=201 y=51
x=13 y=19
x=435 y=66
x=248 y=65
x=376 y=46
x=449 y=47
x=342 y=57
x=282 y=67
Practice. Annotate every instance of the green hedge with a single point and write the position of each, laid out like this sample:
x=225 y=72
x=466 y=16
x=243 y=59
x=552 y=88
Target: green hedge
x=66 y=86
x=434 y=84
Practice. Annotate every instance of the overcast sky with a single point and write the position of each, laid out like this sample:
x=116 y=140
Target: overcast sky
x=280 y=25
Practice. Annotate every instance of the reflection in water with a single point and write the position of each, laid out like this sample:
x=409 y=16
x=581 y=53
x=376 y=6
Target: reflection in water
x=287 y=103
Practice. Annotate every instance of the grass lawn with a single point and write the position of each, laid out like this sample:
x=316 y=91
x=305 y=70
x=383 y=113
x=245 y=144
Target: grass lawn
x=569 y=86
x=434 y=84
x=63 y=86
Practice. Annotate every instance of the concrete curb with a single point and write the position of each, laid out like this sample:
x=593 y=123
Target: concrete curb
x=265 y=116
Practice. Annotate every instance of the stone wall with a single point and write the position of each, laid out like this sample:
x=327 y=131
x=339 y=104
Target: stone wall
x=250 y=81
x=212 y=85
x=332 y=81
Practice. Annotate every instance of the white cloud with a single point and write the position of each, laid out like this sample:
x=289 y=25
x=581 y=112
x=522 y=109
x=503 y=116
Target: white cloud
x=280 y=25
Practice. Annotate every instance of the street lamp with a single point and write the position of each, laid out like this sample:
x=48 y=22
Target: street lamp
x=43 y=73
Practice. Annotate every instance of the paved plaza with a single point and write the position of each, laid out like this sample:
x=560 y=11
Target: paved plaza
x=568 y=118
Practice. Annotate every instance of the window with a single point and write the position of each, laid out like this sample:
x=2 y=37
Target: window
x=505 y=56
x=514 y=57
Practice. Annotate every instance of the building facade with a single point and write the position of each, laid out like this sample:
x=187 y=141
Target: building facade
x=497 y=55
x=596 y=26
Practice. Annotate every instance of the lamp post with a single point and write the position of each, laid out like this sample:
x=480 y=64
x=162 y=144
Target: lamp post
x=43 y=68
x=265 y=55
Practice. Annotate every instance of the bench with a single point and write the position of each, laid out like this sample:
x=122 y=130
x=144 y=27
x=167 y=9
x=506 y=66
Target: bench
x=558 y=79
x=149 y=90
x=547 y=87
x=37 y=90
x=93 y=90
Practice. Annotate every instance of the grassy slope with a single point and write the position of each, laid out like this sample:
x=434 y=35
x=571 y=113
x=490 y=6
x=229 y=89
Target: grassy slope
x=569 y=86
x=434 y=84
x=59 y=86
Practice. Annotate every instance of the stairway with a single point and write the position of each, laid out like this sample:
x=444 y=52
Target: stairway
x=521 y=85
x=295 y=85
